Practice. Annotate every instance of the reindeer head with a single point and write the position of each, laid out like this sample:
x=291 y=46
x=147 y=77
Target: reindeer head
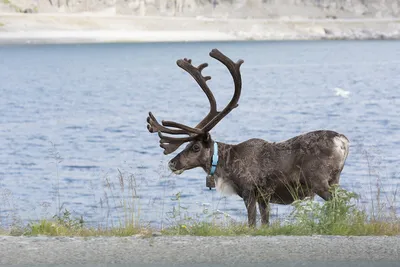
x=199 y=151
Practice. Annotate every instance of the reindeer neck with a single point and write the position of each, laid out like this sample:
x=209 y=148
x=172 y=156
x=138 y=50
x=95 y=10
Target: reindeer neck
x=217 y=158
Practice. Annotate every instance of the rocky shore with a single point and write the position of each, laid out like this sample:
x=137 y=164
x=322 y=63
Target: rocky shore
x=84 y=28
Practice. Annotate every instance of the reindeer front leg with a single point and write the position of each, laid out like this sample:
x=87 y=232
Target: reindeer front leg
x=250 y=202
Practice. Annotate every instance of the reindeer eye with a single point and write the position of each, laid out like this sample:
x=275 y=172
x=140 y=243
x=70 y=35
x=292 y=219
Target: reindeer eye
x=196 y=148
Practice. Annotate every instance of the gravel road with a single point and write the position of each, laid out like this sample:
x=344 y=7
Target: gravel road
x=189 y=250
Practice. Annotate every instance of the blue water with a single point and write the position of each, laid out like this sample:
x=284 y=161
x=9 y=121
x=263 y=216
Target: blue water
x=73 y=116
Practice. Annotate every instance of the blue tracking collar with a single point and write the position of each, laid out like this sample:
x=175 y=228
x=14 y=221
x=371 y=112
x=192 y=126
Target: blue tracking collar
x=214 y=161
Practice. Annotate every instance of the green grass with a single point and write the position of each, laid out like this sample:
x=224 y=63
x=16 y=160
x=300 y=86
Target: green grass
x=66 y=225
x=356 y=229
x=1 y=24
x=54 y=228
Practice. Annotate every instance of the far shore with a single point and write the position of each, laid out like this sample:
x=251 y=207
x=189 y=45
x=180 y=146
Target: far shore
x=57 y=28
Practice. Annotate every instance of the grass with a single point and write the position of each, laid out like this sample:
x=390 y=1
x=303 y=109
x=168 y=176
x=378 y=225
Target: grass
x=67 y=226
x=340 y=216
x=1 y=24
x=343 y=216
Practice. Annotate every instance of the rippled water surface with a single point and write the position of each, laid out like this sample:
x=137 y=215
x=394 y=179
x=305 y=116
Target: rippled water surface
x=73 y=118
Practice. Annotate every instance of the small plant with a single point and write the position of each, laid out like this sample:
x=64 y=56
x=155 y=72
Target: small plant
x=62 y=224
x=66 y=220
x=179 y=216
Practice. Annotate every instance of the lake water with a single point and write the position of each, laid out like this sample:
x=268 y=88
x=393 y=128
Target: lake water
x=73 y=116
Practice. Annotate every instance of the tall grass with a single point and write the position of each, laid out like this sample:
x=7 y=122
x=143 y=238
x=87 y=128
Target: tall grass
x=343 y=215
x=57 y=159
x=119 y=195
x=340 y=216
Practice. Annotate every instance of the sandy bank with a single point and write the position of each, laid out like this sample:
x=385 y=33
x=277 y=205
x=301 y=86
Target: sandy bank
x=67 y=28
x=194 y=250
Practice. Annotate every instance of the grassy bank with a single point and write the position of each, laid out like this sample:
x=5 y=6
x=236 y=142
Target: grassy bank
x=344 y=215
x=340 y=216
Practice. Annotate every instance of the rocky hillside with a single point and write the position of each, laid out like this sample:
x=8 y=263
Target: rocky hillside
x=215 y=8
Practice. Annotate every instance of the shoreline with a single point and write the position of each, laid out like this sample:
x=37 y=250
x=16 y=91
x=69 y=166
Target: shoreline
x=54 y=28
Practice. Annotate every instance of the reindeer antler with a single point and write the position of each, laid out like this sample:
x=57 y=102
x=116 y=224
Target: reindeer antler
x=170 y=144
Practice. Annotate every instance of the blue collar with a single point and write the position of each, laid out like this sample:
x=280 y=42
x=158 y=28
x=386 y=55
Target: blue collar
x=214 y=159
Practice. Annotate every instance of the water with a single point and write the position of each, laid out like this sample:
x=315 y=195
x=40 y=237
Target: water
x=73 y=116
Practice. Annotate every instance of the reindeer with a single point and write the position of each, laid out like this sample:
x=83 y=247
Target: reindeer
x=258 y=171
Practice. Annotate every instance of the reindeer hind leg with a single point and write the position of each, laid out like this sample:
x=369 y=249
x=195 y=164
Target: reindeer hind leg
x=263 y=206
x=250 y=202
